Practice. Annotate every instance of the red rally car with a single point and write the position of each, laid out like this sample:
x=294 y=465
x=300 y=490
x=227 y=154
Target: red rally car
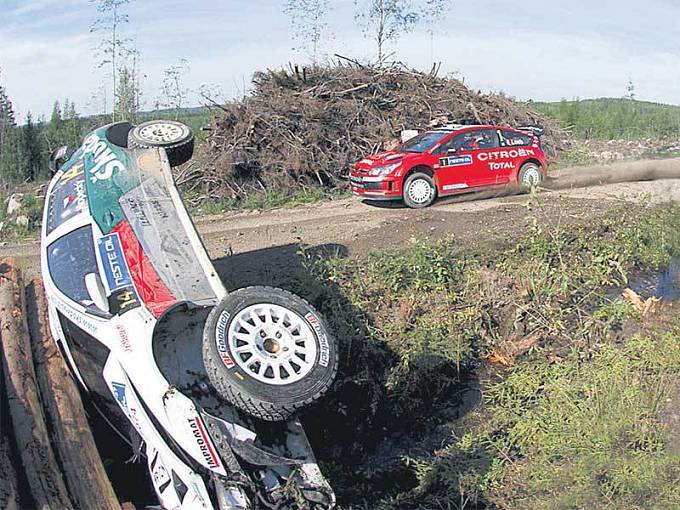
x=450 y=160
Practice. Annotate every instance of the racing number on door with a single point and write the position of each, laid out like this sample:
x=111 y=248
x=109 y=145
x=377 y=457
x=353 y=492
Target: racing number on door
x=462 y=160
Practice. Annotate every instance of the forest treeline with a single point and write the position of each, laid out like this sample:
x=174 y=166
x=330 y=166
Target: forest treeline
x=614 y=118
x=25 y=148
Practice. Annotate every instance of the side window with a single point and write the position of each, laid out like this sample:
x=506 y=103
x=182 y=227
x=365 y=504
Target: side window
x=473 y=141
x=68 y=197
x=69 y=259
x=514 y=139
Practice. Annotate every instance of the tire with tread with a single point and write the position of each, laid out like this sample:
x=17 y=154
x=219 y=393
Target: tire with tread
x=419 y=179
x=266 y=401
x=179 y=148
x=528 y=169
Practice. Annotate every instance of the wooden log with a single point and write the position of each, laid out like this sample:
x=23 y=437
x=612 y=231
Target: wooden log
x=84 y=473
x=9 y=496
x=30 y=432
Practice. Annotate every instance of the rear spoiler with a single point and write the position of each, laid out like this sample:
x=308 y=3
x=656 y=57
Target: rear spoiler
x=537 y=130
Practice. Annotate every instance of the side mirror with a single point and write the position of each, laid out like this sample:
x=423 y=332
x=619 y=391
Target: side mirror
x=58 y=158
x=96 y=291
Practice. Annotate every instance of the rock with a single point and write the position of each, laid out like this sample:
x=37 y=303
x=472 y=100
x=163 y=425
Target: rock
x=22 y=221
x=15 y=203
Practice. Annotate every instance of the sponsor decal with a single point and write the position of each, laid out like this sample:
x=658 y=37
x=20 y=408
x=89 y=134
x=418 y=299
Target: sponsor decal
x=120 y=392
x=106 y=163
x=115 y=267
x=508 y=165
x=124 y=339
x=324 y=354
x=221 y=339
x=160 y=476
x=455 y=161
x=511 y=154
x=450 y=187
x=123 y=300
x=204 y=444
x=75 y=202
x=70 y=174
x=76 y=317
x=136 y=210
x=135 y=419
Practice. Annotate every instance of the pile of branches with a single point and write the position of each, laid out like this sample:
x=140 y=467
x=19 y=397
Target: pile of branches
x=303 y=128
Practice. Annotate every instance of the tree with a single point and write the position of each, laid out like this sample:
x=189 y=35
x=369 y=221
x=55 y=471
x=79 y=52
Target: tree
x=110 y=20
x=630 y=90
x=173 y=93
x=11 y=153
x=385 y=20
x=127 y=98
x=433 y=14
x=308 y=23
x=32 y=150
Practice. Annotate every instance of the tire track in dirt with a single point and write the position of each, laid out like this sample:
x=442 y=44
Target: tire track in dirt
x=360 y=227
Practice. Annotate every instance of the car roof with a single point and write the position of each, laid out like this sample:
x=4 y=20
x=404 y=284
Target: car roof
x=450 y=128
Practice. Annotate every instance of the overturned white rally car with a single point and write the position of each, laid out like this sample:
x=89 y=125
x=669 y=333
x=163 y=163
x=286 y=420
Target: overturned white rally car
x=203 y=382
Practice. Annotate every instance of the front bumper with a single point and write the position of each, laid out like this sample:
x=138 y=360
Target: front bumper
x=375 y=188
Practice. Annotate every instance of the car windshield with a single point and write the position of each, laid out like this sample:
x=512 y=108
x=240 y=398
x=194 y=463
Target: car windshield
x=69 y=259
x=423 y=142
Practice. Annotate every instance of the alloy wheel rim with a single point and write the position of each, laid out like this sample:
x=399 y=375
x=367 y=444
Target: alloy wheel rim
x=420 y=191
x=272 y=344
x=162 y=132
x=532 y=176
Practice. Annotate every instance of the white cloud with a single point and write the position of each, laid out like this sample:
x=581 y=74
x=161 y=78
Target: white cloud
x=47 y=51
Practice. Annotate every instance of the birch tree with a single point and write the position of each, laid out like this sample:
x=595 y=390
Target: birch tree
x=308 y=23
x=385 y=21
x=110 y=20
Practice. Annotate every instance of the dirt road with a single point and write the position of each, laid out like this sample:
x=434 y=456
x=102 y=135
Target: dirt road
x=350 y=226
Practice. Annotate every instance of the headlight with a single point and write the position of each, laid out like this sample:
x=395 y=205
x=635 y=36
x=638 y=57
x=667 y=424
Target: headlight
x=384 y=170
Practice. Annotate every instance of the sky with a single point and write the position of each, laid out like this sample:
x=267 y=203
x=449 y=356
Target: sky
x=533 y=49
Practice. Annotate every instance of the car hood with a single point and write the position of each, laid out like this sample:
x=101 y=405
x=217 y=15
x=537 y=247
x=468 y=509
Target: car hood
x=381 y=159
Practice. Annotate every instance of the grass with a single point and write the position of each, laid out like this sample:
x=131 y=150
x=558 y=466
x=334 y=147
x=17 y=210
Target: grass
x=575 y=422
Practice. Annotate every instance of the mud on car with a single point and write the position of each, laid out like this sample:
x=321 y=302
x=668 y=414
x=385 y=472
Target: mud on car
x=203 y=383
x=450 y=160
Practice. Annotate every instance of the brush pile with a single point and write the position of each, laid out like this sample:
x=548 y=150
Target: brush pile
x=302 y=128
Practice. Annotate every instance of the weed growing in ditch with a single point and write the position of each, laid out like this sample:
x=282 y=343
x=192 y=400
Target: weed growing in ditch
x=577 y=414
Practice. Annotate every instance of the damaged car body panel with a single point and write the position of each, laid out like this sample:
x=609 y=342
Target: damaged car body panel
x=129 y=287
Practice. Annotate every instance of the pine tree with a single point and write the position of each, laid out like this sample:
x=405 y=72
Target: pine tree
x=11 y=153
x=33 y=155
x=55 y=128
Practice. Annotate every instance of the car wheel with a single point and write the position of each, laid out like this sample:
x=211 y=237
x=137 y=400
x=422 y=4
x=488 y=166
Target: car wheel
x=419 y=190
x=530 y=175
x=268 y=352
x=175 y=137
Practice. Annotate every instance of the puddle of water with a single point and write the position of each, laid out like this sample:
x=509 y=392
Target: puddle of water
x=664 y=284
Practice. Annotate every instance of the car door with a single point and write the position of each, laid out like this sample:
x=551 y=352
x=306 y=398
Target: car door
x=463 y=160
x=512 y=152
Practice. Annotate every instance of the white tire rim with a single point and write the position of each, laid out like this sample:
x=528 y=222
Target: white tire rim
x=532 y=176
x=272 y=344
x=162 y=132
x=420 y=191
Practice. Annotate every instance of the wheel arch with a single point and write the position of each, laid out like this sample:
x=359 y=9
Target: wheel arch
x=420 y=168
x=536 y=161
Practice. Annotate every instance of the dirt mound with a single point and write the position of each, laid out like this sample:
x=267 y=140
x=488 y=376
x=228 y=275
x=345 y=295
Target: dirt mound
x=305 y=128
